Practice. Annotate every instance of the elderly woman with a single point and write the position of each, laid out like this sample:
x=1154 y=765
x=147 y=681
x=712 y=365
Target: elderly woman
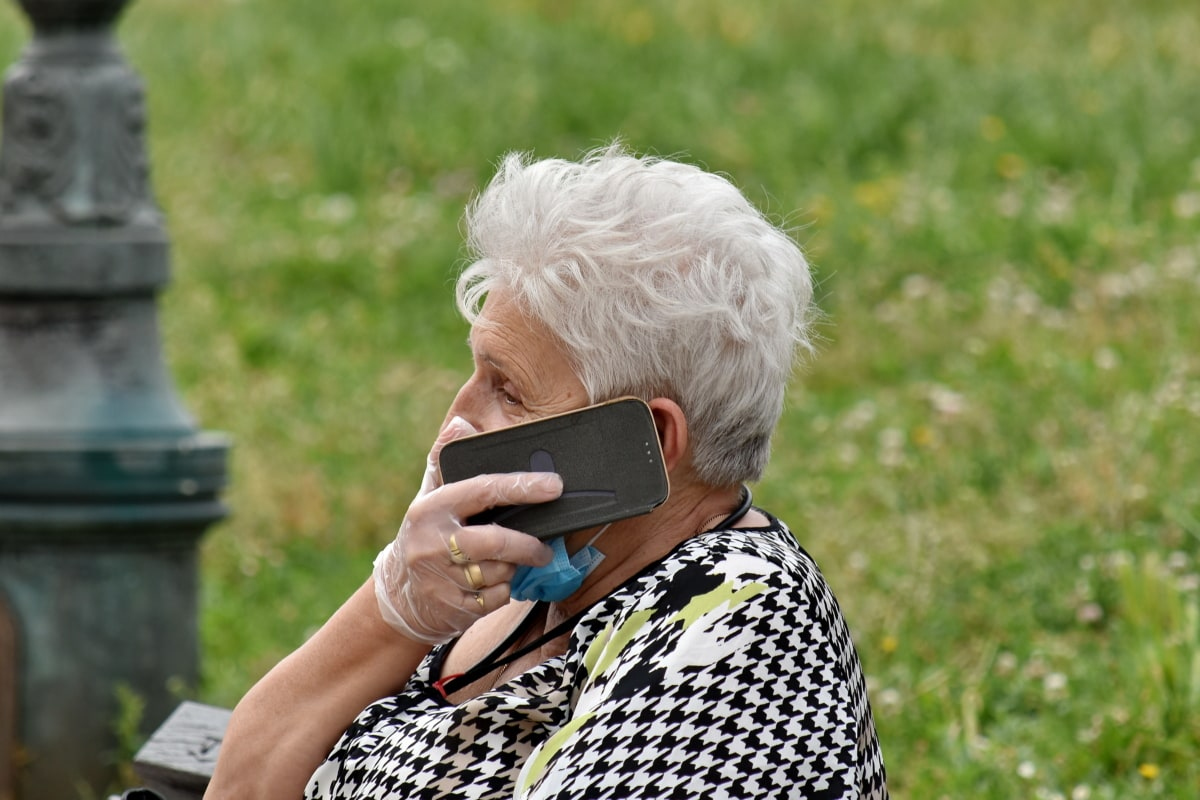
x=694 y=651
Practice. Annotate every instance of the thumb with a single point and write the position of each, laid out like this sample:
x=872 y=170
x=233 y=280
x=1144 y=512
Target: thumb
x=455 y=428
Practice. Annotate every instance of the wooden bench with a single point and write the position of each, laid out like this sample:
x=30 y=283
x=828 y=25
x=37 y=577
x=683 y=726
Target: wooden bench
x=178 y=760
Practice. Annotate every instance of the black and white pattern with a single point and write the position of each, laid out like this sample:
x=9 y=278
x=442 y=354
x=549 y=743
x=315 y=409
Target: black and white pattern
x=724 y=670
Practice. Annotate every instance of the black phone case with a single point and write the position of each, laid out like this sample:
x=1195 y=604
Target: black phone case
x=608 y=456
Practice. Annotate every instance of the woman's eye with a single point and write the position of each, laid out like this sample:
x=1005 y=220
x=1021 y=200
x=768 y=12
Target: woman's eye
x=508 y=397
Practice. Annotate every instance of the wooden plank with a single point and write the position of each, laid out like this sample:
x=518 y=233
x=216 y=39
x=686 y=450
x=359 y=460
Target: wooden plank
x=178 y=760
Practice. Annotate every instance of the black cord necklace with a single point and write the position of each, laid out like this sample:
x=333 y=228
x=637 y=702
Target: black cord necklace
x=747 y=500
x=452 y=683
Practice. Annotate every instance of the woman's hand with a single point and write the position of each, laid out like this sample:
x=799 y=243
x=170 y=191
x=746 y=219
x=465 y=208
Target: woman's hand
x=438 y=575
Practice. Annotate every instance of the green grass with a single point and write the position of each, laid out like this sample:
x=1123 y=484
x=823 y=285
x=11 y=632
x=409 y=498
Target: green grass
x=996 y=456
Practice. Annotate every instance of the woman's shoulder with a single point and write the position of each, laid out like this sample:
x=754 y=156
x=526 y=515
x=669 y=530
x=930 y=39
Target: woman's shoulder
x=762 y=565
x=769 y=552
x=717 y=606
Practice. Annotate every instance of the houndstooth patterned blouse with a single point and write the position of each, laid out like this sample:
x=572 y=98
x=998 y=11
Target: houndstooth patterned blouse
x=723 y=670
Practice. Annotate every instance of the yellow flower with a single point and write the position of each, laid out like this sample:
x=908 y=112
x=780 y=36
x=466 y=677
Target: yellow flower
x=821 y=209
x=877 y=195
x=1148 y=771
x=889 y=644
x=992 y=128
x=924 y=436
x=1010 y=166
x=637 y=27
x=737 y=26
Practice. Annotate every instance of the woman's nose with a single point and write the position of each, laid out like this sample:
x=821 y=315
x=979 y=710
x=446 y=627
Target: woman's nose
x=466 y=405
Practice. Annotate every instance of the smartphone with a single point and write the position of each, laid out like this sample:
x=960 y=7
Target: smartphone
x=608 y=456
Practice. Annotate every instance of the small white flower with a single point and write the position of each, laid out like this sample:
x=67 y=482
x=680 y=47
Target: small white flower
x=328 y=248
x=1058 y=204
x=859 y=417
x=1186 y=205
x=409 y=33
x=1054 y=684
x=1008 y=203
x=891 y=438
x=1006 y=663
x=914 y=287
x=891 y=447
x=1181 y=263
x=946 y=401
x=336 y=209
x=1106 y=359
x=1178 y=560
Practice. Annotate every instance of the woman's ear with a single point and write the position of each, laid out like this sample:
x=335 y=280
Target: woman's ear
x=672 y=428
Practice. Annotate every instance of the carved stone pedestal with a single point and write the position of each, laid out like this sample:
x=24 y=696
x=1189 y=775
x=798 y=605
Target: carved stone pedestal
x=106 y=485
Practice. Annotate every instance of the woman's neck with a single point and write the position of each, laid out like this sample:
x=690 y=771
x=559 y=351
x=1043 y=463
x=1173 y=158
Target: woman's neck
x=630 y=545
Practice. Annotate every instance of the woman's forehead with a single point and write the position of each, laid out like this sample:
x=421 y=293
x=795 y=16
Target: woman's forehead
x=509 y=338
x=502 y=315
x=501 y=318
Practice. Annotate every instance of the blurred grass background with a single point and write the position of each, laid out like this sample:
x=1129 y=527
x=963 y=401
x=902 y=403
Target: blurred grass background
x=996 y=456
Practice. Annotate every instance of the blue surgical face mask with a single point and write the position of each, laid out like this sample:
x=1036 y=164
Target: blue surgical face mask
x=562 y=577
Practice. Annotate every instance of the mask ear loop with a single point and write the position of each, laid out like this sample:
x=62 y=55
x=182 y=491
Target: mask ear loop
x=599 y=533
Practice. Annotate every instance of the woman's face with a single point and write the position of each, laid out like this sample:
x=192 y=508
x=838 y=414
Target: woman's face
x=521 y=372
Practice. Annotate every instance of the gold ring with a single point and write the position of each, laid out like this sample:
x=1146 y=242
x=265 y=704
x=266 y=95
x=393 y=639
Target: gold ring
x=479 y=599
x=457 y=555
x=474 y=576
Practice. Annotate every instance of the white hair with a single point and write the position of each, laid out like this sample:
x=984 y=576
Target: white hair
x=661 y=280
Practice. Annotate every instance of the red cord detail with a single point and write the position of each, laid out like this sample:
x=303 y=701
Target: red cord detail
x=440 y=684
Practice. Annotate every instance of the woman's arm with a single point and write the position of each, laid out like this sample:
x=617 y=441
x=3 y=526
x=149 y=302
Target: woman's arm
x=285 y=726
x=289 y=721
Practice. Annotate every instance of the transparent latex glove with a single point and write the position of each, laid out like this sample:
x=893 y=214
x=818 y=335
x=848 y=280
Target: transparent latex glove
x=425 y=592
